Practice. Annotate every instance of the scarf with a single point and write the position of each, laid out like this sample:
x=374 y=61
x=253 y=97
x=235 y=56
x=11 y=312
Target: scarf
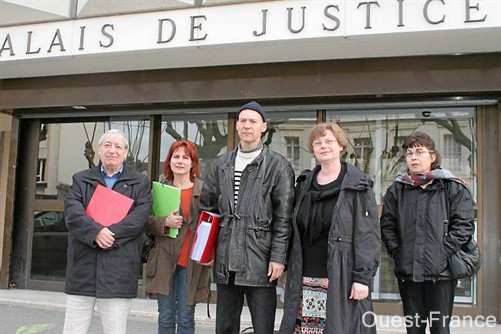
x=435 y=174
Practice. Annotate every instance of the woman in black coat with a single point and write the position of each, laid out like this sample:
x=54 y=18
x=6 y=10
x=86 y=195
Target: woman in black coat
x=335 y=246
x=415 y=207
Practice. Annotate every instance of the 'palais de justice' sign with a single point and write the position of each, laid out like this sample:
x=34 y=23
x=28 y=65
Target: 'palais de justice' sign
x=244 y=23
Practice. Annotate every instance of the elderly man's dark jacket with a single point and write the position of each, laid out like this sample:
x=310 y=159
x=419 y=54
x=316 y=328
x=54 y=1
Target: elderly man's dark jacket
x=256 y=231
x=113 y=272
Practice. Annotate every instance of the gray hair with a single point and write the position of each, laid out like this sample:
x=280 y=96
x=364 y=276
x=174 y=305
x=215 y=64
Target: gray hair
x=114 y=132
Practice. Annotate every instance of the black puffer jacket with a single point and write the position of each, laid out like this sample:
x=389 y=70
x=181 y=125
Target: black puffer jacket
x=110 y=273
x=412 y=227
x=257 y=231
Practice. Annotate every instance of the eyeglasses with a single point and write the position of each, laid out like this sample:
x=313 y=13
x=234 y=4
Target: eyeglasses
x=418 y=153
x=108 y=145
x=328 y=142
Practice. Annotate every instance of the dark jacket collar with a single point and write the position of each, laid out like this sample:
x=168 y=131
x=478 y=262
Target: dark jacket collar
x=128 y=173
x=354 y=179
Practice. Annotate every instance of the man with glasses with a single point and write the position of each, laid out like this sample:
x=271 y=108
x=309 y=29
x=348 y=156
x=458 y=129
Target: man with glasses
x=252 y=188
x=104 y=262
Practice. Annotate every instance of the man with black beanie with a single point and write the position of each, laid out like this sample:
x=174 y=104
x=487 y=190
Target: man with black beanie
x=252 y=188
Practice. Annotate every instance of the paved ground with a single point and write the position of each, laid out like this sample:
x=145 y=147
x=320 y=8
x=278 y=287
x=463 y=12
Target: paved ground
x=30 y=311
x=24 y=319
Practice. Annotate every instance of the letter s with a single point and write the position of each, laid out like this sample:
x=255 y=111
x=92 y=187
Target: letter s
x=108 y=35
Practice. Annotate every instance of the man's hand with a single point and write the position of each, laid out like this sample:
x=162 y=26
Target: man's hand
x=105 y=238
x=359 y=291
x=275 y=269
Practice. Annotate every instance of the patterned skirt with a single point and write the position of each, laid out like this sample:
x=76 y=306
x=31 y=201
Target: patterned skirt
x=312 y=313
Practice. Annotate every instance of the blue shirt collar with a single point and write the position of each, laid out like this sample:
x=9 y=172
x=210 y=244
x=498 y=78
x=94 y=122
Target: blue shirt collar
x=111 y=180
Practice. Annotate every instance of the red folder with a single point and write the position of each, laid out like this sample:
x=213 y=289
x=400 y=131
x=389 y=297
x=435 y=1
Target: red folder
x=108 y=207
x=204 y=242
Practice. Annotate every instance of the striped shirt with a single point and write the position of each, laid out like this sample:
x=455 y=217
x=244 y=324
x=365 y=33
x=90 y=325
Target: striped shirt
x=241 y=161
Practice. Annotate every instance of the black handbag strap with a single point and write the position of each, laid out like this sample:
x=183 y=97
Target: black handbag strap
x=445 y=205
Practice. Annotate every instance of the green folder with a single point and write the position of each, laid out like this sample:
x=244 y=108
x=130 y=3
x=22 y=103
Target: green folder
x=165 y=200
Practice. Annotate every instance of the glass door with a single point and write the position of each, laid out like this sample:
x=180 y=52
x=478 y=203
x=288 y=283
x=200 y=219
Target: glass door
x=64 y=149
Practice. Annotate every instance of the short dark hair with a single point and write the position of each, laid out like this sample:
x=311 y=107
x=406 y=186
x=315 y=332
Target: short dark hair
x=421 y=139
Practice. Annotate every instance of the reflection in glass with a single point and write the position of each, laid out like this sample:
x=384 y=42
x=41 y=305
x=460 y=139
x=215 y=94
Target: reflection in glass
x=375 y=136
x=50 y=241
x=64 y=149
x=287 y=134
x=209 y=134
x=138 y=135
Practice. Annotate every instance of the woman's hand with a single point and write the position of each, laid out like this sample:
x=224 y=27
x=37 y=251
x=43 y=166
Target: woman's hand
x=359 y=291
x=174 y=221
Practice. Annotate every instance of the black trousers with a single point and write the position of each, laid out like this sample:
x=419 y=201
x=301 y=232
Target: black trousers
x=262 y=303
x=427 y=303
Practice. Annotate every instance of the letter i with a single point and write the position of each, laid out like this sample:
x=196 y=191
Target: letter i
x=82 y=34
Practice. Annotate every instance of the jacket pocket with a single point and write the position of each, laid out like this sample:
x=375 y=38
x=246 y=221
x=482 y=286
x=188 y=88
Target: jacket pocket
x=437 y=263
x=442 y=261
x=260 y=238
x=80 y=250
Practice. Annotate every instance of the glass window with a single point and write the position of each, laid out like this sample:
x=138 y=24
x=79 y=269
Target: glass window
x=362 y=152
x=50 y=241
x=375 y=146
x=41 y=170
x=138 y=135
x=2 y=140
x=287 y=134
x=293 y=152
x=64 y=149
x=452 y=155
x=375 y=140
x=376 y=136
x=209 y=133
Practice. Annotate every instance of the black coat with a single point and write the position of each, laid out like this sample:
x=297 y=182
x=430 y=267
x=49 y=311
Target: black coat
x=257 y=231
x=412 y=227
x=110 y=273
x=353 y=255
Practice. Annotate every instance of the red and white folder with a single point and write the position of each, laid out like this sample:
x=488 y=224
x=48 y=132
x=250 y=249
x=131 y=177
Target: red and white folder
x=204 y=242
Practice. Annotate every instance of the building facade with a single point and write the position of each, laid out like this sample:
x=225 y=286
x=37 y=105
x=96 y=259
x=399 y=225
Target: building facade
x=164 y=70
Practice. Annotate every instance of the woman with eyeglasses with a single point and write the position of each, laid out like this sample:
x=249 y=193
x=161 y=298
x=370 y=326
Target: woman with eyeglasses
x=415 y=207
x=335 y=246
